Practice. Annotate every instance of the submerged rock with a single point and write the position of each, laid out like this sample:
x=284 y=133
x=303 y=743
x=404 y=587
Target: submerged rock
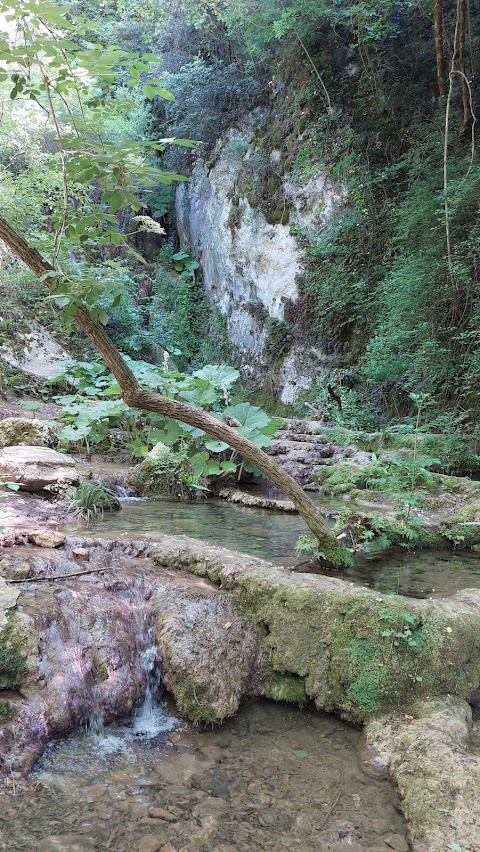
x=36 y=468
x=24 y=430
x=427 y=754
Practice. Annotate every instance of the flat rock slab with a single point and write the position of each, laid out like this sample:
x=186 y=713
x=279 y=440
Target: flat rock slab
x=34 y=468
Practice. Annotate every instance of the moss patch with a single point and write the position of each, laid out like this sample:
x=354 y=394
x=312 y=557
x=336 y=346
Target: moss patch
x=285 y=687
x=352 y=652
x=194 y=702
x=13 y=654
x=7 y=710
x=169 y=474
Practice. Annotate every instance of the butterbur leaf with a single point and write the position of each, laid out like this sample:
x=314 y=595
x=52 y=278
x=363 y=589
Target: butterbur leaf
x=249 y=416
x=216 y=446
x=219 y=375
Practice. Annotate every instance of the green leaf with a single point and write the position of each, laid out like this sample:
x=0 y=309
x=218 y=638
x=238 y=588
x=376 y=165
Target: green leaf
x=300 y=753
x=249 y=416
x=216 y=446
x=31 y=405
x=218 y=375
x=151 y=89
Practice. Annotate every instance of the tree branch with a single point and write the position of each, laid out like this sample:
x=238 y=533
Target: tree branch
x=135 y=396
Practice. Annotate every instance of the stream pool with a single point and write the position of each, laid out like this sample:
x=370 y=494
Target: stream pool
x=272 y=536
x=259 y=532
x=272 y=778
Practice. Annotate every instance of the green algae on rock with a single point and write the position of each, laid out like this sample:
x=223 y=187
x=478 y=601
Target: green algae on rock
x=357 y=652
x=13 y=653
x=438 y=778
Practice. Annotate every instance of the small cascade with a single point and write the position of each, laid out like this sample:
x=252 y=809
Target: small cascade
x=125 y=497
x=152 y=718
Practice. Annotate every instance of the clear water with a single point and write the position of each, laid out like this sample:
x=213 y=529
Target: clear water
x=424 y=574
x=273 y=778
x=272 y=536
x=269 y=535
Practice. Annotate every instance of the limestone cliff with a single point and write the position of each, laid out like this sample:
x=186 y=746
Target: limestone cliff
x=252 y=261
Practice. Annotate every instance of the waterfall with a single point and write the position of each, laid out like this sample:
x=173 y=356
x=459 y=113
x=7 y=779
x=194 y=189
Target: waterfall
x=152 y=718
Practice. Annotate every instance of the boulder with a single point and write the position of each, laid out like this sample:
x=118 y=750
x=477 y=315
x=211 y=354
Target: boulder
x=211 y=655
x=25 y=430
x=35 y=468
x=47 y=538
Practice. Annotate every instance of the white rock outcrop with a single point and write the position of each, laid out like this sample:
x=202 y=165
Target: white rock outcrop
x=251 y=268
x=35 y=351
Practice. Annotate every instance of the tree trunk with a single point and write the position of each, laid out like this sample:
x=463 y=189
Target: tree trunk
x=137 y=397
x=462 y=63
x=438 y=38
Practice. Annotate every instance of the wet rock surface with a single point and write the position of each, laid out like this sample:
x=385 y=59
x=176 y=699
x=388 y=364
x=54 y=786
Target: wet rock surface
x=22 y=513
x=272 y=778
x=76 y=641
x=227 y=627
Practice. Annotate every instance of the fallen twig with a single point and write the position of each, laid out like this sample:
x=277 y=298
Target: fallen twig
x=59 y=576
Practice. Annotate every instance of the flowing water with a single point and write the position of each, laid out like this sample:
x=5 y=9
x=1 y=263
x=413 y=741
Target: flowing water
x=272 y=778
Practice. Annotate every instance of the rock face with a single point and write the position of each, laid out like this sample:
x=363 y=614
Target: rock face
x=15 y=431
x=438 y=778
x=35 y=468
x=35 y=351
x=251 y=267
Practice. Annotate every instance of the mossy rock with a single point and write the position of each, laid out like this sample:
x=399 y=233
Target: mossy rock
x=352 y=652
x=165 y=474
x=8 y=710
x=13 y=653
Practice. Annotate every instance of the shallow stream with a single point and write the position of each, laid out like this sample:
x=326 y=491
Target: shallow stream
x=272 y=778
x=272 y=535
